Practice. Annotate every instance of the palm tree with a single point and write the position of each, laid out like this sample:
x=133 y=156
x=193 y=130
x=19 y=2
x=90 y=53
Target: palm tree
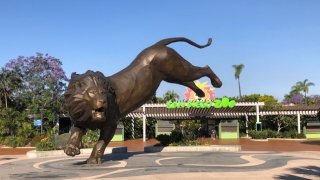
x=237 y=72
x=170 y=96
x=304 y=87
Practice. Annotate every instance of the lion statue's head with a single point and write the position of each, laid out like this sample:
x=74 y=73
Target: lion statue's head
x=87 y=98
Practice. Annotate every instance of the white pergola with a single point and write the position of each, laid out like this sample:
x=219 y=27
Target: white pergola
x=160 y=111
x=241 y=109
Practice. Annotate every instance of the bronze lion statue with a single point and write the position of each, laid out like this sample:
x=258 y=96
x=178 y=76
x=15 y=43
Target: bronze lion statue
x=97 y=102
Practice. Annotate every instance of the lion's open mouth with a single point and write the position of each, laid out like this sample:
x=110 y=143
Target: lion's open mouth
x=99 y=109
x=98 y=113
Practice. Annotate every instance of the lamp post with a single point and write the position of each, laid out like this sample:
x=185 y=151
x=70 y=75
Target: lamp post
x=41 y=110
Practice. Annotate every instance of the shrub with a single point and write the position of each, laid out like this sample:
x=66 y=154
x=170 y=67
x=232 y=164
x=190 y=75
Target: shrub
x=90 y=139
x=10 y=141
x=46 y=144
x=301 y=136
x=35 y=140
x=273 y=134
x=292 y=134
x=24 y=134
x=2 y=138
x=187 y=143
x=22 y=141
x=258 y=134
x=176 y=136
x=164 y=139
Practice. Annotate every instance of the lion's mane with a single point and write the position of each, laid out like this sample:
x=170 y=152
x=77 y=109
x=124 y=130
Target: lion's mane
x=80 y=109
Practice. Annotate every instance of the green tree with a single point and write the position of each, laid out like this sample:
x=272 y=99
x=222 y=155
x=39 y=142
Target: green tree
x=9 y=82
x=302 y=86
x=283 y=121
x=42 y=85
x=10 y=121
x=251 y=98
x=279 y=121
x=270 y=102
x=170 y=96
x=237 y=71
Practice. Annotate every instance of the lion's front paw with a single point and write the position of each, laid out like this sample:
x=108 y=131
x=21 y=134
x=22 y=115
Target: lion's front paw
x=94 y=160
x=71 y=150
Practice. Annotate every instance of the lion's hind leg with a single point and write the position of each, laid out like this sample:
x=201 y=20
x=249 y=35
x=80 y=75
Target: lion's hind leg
x=192 y=86
x=176 y=69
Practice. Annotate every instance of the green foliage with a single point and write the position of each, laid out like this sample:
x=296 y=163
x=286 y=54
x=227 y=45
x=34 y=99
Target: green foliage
x=151 y=131
x=189 y=129
x=270 y=102
x=176 y=136
x=10 y=121
x=258 y=134
x=251 y=98
x=302 y=87
x=35 y=140
x=127 y=124
x=89 y=140
x=46 y=144
x=138 y=123
x=237 y=70
x=292 y=134
x=40 y=89
x=273 y=134
x=9 y=83
x=170 y=96
x=186 y=143
x=10 y=141
x=164 y=139
x=24 y=134
x=282 y=121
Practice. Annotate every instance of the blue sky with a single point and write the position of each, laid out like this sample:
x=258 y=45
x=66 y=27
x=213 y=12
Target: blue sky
x=277 y=41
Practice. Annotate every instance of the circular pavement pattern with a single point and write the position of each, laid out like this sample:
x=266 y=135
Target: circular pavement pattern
x=252 y=165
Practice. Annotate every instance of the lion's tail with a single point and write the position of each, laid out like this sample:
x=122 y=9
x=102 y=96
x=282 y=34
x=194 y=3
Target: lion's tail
x=182 y=39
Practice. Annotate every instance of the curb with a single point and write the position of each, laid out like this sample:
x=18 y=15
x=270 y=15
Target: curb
x=287 y=139
x=213 y=148
x=278 y=139
x=40 y=154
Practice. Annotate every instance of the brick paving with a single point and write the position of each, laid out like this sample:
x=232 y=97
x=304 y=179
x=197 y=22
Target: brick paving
x=134 y=145
x=246 y=145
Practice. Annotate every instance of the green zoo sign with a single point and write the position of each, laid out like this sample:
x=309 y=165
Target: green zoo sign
x=217 y=103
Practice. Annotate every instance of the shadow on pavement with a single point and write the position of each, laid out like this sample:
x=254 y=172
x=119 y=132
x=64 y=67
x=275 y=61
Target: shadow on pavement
x=312 y=142
x=313 y=171
x=112 y=157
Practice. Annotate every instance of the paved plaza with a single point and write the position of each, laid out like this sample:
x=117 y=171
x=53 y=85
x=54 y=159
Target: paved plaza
x=273 y=159
x=188 y=165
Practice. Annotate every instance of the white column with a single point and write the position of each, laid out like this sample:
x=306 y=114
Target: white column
x=144 y=123
x=132 y=123
x=247 y=129
x=299 y=128
x=258 y=113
